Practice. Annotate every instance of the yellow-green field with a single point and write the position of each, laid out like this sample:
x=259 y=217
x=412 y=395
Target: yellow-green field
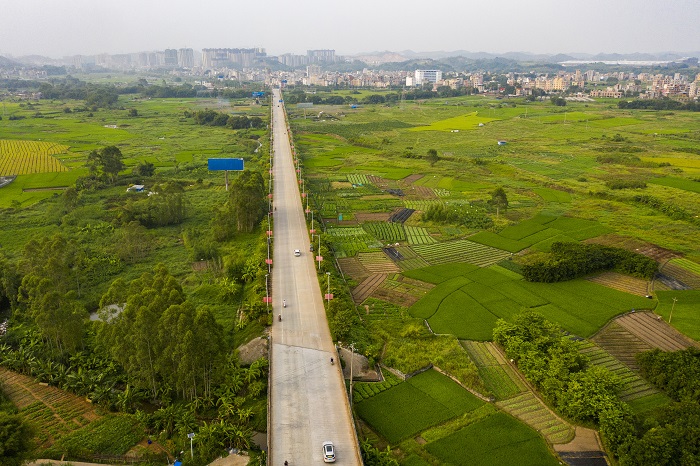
x=458 y=123
x=27 y=157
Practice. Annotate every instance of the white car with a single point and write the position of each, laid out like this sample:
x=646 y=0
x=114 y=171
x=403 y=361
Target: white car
x=328 y=452
x=297 y=252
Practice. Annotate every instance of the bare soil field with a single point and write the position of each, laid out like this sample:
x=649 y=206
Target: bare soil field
x=352 y=267
x=367 y=287
x=652 y=330
x=618 y=281
x=657 y=253
x=682 y=275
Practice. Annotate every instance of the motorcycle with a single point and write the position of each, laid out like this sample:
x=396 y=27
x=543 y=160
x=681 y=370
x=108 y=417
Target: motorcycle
x=279 y=317
x=284 y=303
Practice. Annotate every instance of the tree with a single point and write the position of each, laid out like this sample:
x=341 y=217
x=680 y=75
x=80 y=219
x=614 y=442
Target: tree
x=432 y=157
x=499 y=199
x=144 y=169
x=15 y=439
x=108 y=160
x=247 y=200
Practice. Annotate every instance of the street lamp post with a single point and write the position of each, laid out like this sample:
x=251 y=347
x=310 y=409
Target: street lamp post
x=191 y=437
x=328 y=295
x=352 y=356
x=267 y=293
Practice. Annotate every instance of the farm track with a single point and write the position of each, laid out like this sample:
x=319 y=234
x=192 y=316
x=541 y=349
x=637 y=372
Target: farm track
x=620 y=282
x=367 y=287
x=688 y=278
x=655 y=332
x=53 y=411
x=634 y=386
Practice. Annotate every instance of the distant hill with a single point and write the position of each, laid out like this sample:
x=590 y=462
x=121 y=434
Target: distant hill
x=7 y=63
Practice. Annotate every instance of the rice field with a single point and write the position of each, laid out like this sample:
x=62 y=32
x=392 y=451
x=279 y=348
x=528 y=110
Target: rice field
x=460 y=251
x=29 y=157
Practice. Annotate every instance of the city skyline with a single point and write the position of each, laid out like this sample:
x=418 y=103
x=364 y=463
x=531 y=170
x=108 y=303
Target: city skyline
x=83 y=27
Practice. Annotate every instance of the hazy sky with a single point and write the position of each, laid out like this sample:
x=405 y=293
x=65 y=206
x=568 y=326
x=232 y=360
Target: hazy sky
x=58 y=28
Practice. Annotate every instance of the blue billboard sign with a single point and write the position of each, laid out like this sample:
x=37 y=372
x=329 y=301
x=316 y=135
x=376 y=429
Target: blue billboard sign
x=225 y=164
x=258 y=94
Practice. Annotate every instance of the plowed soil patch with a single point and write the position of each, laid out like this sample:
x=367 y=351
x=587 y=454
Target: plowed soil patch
x=353 y=268
x=367 y=287
x=654 y=331
x=657 y=253
x=618 y=281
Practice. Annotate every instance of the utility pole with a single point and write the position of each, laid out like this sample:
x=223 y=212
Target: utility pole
x=672 y=308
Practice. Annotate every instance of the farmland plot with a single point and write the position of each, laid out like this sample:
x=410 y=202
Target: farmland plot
x=387 y=232
x=54 y=412
x=499 y=378
x=421 y=402
x=498 y=439
x=634 y=386
x=418 y=235
x=27 y=157
x=460 y=251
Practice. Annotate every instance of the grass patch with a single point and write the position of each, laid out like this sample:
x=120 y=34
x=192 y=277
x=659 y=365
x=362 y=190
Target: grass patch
x=498 y=439
x=685 y=313
x=421 y=402
x=678 y=183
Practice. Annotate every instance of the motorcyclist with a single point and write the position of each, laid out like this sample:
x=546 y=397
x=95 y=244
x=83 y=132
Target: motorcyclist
x=279 y=317
x=331 y=360
x=284 y=303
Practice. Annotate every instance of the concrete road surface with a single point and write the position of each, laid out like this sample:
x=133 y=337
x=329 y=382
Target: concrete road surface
x=307 y=394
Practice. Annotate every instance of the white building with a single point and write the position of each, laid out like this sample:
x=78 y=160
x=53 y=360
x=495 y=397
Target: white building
x=430 y=76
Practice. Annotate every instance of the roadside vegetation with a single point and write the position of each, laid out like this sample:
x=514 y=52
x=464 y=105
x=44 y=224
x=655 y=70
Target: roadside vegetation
x=129 y=276
x=452 y=219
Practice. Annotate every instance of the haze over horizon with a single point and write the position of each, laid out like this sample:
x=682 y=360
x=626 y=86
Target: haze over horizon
x=85 y=27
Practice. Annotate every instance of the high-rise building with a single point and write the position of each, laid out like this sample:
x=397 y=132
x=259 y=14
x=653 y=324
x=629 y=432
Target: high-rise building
x=185 y=58
x=170 y=58
x=321 y=56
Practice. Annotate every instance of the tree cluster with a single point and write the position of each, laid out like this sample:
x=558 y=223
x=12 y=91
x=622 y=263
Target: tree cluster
x=554 y=365
x=667 y=436
x=658 y=104
x=625 y=184
x=570 y=260
x=159 y=338
x=672 y=211
x=214 y=118
x=471 y=217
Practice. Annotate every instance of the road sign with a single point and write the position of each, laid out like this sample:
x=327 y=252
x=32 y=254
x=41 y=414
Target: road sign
x=225 y=164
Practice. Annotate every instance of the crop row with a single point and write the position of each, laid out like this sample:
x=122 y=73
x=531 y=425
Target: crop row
x=418 y=235
x=462 y=251
x=26 y=164
x=687 y=264
x=364 y=390
x=633 y=385
x=386 y=231
x=358 y=179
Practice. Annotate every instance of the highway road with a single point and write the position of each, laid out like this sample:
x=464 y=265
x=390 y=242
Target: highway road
x=308 y=402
